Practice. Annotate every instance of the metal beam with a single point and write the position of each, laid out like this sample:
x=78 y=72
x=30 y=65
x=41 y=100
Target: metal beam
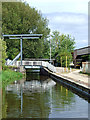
x=21 y=51
x=23 y=38
x=24 y=35
x=26 y=67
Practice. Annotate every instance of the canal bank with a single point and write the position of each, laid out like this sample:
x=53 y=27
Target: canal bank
x=73 y=80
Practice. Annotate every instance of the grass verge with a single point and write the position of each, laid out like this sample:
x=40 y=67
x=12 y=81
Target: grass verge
x=9 y=76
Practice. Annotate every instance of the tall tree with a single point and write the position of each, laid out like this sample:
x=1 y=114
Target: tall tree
x=62 y=46
x=20 y=18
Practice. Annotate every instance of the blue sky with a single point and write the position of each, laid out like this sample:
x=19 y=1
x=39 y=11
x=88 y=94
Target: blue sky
x=66 y=16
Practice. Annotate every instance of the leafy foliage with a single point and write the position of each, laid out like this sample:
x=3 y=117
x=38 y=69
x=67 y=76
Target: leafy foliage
x=9 y=76
x=20 y=18
x=4 y=54
x=62 y=46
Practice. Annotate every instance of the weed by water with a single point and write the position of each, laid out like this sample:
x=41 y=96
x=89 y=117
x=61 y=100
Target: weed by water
x=9 y=76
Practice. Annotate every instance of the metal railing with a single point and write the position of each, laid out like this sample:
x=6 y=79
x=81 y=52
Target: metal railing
x=35 y=63
x=49 y=66
x=11 y=62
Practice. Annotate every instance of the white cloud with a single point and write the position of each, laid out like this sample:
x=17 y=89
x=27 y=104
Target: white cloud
x=85 y=41
x=60 y=1
x=48 y=6
x=70 y=23
x=72 y=19
x=68 y=18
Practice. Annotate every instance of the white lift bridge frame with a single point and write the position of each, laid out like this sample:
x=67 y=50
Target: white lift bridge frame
x=21 y=37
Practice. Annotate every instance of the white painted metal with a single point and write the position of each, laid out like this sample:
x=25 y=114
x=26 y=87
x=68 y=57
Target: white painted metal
x=36 y=63
x=32 y=67
x=11 y=62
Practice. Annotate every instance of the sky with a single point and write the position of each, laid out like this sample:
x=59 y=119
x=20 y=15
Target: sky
x=66 y=16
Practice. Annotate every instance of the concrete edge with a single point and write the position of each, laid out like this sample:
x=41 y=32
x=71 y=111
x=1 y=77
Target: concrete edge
x=82 y=89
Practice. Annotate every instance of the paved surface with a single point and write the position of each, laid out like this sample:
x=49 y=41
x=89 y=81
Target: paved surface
x=77 y=77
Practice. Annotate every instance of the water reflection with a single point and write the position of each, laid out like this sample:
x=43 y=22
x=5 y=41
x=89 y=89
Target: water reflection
x=41 y=98
x=31 y=86
x=30 y=98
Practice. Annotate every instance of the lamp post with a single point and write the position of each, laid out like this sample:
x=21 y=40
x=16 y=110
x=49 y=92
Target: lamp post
x=21 y=51
x=49 y=40
x=50 y=49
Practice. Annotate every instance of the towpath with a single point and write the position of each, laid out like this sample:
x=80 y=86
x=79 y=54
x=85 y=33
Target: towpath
x=77 y=77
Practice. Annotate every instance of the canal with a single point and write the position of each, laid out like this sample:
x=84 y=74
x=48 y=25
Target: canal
x=39 y=96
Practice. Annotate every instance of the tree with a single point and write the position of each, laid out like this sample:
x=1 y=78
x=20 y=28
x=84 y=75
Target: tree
x=55 y=43
x=4 y=54
x=20 y=18
x=62 y=47
x=62 y=56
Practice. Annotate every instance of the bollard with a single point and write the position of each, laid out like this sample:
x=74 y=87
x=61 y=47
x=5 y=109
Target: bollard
x=80 y=68
x=63 y=69
x=70 y=69
x=66 y=69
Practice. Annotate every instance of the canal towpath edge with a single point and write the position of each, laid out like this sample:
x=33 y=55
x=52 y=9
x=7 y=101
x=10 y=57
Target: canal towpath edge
x=74 y=77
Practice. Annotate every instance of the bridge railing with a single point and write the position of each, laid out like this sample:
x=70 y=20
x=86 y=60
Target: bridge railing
x=49 y=66
x=18 y=63
x=35 y=63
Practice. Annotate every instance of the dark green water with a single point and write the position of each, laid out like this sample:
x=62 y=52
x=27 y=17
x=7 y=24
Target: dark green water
x=40 y=97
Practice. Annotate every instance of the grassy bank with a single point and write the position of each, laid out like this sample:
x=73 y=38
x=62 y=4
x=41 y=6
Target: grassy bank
x=9 y=76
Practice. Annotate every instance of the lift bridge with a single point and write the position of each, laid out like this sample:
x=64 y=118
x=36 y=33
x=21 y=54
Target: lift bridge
x=27 y=64
x=33 y=64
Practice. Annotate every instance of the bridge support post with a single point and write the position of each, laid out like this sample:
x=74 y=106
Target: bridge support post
x=22 y=69
x=21 y=51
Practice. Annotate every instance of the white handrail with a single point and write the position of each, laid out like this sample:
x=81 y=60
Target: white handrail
x=33 y=63
x=49 y=66
x=11 y=63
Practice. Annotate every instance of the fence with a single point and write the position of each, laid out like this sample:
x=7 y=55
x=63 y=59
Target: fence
x=35 y=63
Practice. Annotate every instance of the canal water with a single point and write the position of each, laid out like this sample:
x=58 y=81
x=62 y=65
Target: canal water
x=39 y=96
